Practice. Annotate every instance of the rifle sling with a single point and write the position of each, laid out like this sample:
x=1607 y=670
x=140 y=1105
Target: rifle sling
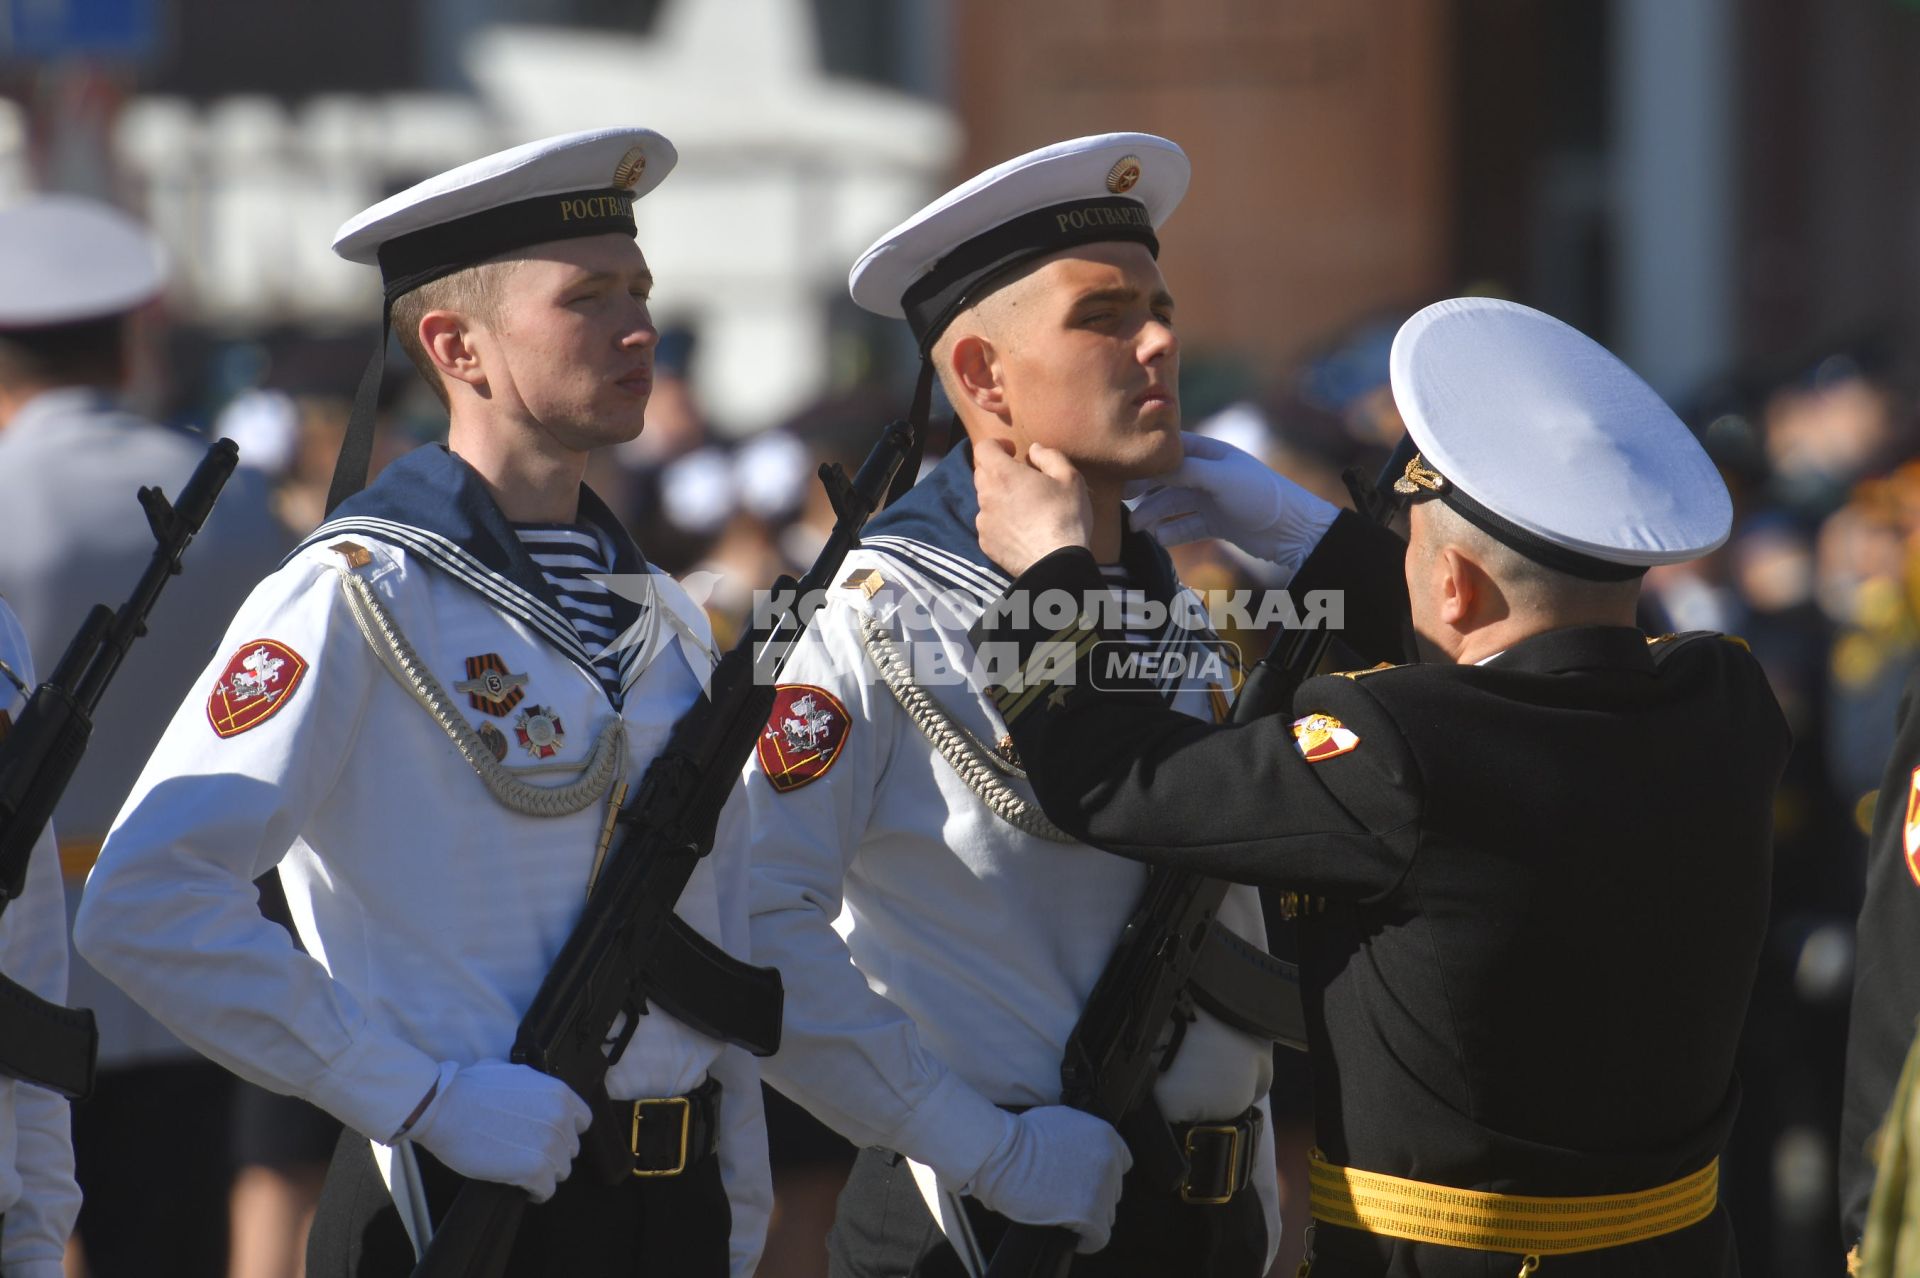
x=1249 y=988
x=44 y=1043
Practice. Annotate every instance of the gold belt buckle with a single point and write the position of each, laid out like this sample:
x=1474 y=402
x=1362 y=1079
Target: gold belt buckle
x=1233 y=1162
x=686 y=1122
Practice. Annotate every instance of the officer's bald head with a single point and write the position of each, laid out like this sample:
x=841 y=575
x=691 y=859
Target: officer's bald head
x=1462 y=580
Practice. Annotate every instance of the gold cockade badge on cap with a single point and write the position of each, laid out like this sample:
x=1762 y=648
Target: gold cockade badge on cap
x=1419 y=477
x=1124 y=174
x=631 y=166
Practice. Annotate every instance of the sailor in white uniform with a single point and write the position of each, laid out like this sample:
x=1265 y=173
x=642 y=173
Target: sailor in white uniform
x=424 y=719
x=38 y=1196
x=938 y=934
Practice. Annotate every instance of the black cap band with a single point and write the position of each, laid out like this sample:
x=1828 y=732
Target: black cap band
x=410 y=260
x=1535 y=547
x=958 y=278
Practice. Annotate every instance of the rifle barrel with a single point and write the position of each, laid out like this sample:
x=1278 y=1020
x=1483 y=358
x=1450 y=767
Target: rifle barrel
x=173 y=528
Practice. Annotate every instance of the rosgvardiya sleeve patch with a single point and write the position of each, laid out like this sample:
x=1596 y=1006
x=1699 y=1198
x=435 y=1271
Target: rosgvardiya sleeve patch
x=259 y=679
x=804 y=735
x=1319 y=737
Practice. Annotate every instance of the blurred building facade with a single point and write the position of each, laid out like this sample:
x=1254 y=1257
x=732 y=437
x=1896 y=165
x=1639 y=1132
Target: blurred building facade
x=786 y=171
x=1698 y=184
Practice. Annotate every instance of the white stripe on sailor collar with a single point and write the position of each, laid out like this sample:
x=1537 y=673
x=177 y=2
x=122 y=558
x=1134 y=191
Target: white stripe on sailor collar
x=506 y=594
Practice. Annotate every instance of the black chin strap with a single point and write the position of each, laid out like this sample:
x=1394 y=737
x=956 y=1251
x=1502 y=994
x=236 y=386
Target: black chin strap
x=356 y=448
x=917 y=418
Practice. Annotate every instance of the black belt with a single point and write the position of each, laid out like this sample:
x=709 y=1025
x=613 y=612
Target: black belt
x=664 y=1135
x=1219 y=1157
x=1205 y=1163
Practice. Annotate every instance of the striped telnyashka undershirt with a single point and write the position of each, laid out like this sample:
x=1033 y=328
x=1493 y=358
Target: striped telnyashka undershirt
x=566 y=554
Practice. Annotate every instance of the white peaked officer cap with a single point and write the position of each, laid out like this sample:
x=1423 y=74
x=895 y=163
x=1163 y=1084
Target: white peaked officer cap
x=1113 y=186
x=1540 y=437
x=66 y=260
x=559 y=188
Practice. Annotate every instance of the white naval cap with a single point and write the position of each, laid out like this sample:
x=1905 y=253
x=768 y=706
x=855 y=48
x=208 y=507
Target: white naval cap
x=65 y=259
x=1538 y=435
x=1112 y=186
x=558 y=188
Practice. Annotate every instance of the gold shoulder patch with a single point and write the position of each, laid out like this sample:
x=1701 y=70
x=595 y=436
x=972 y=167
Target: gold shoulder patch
x=1355 y=674
x=865 y=580
x=356 y=555
x=1738 y=642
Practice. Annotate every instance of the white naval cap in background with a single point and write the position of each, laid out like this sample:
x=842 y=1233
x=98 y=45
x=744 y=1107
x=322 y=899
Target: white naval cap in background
x=65 y=259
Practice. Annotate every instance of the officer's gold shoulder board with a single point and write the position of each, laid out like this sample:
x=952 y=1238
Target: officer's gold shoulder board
x=256 y=682
x=1654 y=641
x=1320 y=737
x=1357 y=674
x=804 y=734
x=1910 y=834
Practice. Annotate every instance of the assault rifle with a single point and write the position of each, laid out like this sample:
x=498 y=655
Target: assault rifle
x=629 y=947
x=41 y=1042
x=1171 y=950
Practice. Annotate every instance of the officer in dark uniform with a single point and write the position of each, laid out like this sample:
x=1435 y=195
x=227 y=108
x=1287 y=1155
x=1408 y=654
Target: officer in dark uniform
x=1886 y=978
x=1536 y=868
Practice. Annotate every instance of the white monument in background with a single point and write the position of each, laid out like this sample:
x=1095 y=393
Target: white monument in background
x=784 y=176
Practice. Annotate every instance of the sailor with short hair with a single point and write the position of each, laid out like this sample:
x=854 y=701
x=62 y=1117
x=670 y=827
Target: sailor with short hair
x=939 y=934
x=423 y=719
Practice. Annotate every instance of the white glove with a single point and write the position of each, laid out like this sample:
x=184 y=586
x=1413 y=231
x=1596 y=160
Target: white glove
x=505 y=1123
x=1056 y=1166
x=1219 y=491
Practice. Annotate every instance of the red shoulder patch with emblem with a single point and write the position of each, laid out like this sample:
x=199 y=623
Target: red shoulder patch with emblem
x=803 y=736
x=259 y=679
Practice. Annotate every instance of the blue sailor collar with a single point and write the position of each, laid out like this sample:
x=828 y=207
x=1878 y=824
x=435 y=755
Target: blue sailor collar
x=433 y=505
x=931 y=528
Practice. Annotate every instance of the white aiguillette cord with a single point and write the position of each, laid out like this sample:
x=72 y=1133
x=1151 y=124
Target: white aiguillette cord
x=604 y=765
x=965 y=753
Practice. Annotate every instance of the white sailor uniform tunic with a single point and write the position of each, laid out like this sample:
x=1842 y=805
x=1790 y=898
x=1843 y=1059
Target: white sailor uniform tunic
x=891 y=827
x=402 y=719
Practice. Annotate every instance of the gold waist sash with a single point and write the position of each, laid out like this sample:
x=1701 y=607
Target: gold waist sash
x=1521 y=1223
